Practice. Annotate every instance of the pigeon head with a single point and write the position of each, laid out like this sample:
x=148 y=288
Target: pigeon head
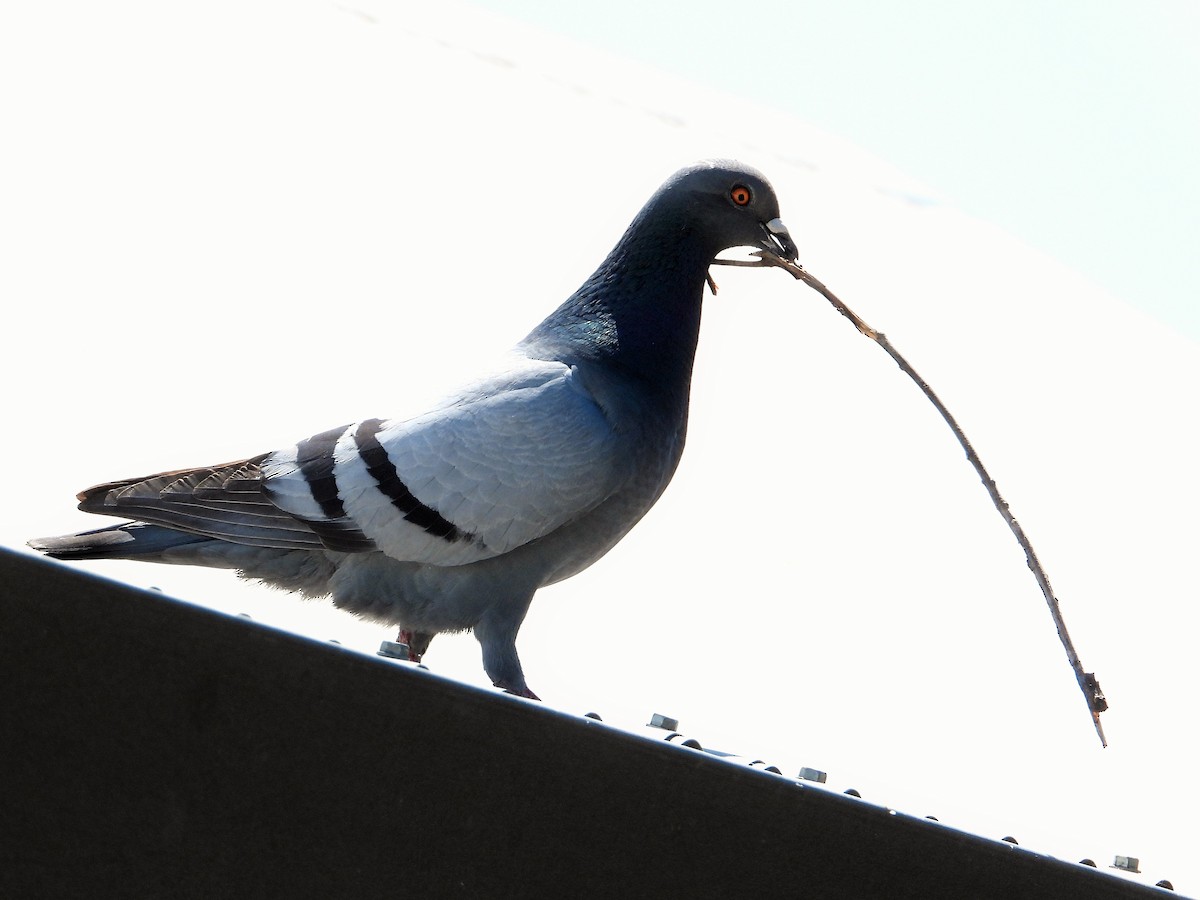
x=722 y=204
x=640 y=310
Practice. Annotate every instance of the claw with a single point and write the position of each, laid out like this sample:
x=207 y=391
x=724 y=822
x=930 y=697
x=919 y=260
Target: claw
x=523 y=691
x=417 y=641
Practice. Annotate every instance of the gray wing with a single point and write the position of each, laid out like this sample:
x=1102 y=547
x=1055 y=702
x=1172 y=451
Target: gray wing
x=507 y=462
x=224 y=502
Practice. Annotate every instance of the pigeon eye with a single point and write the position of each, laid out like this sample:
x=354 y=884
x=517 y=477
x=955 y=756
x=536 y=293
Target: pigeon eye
x=740 y=195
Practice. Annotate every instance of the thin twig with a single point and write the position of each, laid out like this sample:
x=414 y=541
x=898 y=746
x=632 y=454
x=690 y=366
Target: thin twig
x=1087 y=680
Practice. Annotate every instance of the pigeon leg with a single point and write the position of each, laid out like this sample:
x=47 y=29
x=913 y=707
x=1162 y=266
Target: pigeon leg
x=418 y=642
x=497 y=635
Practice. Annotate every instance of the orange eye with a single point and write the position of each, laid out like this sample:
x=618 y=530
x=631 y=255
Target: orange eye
x=740 y=195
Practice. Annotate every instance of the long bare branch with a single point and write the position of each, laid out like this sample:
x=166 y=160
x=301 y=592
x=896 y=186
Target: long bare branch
x=1087 y=680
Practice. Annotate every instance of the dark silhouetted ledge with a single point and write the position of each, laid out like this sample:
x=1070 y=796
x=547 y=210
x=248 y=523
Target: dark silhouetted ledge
x=156 y=749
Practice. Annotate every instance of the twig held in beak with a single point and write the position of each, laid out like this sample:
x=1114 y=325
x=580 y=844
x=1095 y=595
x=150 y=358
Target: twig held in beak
x=1087 y=680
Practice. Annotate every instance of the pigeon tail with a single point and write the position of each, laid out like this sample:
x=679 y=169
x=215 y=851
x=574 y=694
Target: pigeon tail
x=132 y=540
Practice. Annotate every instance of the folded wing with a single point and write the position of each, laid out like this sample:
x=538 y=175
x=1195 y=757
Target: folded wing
x=505 y=463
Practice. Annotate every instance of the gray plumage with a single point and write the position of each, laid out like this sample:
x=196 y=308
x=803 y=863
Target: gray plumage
x=452 y=520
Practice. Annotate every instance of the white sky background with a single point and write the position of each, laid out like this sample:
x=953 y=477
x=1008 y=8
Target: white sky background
x=1073 y=124
x=228 y=226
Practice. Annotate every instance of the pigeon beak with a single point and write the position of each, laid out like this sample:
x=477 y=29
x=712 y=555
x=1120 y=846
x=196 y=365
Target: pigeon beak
x=777 y=240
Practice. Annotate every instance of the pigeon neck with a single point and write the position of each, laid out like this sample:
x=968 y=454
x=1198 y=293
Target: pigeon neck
x=640 y=310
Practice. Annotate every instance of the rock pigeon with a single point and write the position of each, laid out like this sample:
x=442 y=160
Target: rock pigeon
x=452 y=520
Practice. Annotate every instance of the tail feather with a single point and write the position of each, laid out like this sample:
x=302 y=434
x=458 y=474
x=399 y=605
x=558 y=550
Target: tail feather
x=132 y=540
x=289 y=569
